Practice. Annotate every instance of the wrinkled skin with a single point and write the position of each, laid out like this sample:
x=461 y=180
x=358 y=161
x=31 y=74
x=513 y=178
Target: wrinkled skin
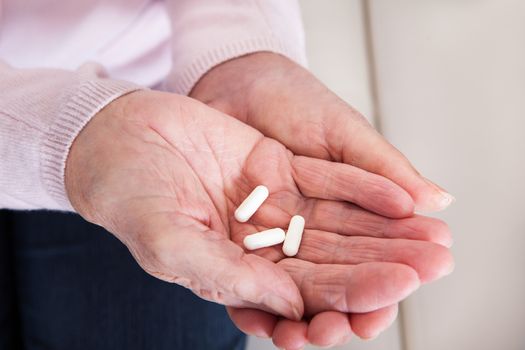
x=164 y=173
x=286 y=102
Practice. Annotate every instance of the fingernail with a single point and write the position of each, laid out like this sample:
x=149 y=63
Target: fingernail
x=442 y=198
x=261 y=334
x=280 y=305
x=297 y=313
x=451 y=269
x=446 y=200
x=372 y=337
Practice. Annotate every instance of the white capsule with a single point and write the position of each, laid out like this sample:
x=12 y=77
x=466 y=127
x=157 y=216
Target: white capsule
x=250 y=205
x=293 y=236
x=263 y=239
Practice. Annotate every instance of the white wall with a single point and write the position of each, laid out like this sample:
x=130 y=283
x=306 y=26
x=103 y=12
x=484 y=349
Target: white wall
x=451 y=88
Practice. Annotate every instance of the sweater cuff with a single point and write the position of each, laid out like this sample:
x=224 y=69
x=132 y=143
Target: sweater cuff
x=182 y=82
x=89 y=98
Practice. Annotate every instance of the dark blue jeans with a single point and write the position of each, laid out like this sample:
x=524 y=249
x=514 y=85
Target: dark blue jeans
x=68 y=284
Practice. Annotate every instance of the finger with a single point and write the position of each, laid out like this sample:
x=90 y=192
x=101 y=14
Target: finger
x=178 y=249
x=253 y=322
x=328 y=180
x=290 y=335
x=359 y=144
x=345 y=288
x=349 y=219
x=431 y=261
x=329 y=328
x=369 y=325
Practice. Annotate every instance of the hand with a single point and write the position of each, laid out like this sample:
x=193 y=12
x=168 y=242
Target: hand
x=399 y=242
x=286 y=102
x=164 y=173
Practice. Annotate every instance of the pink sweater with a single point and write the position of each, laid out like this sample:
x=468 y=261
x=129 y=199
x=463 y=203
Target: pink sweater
x=63 y=61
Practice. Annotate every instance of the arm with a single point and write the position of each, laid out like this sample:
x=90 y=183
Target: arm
x=41 y=112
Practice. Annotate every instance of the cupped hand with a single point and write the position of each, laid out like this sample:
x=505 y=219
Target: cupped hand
x=164 y=173
x=361 y=238
x=286 y=102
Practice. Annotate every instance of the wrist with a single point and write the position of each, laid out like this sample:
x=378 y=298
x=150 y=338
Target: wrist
x=232 y=85
x=87 y=146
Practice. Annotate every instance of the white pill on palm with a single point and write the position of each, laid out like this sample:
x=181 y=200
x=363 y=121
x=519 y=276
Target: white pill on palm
x=264 y=239
x=294 y=236
x=250 y=205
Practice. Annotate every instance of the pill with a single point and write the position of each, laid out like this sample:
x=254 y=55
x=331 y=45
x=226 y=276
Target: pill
x=264 y=238
x=250 y=205
x=293 y=236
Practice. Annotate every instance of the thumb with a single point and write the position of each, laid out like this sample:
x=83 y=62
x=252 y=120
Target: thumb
x=181 y=250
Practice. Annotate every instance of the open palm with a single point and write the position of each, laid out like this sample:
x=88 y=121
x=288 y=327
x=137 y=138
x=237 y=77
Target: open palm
x=165 y=173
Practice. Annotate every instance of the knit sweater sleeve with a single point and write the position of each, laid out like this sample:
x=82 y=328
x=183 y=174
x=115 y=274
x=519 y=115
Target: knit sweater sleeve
x=41 y=113
x=209 y=32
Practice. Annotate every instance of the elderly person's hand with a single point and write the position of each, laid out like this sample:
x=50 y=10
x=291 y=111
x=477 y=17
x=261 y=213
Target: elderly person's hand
x=285 y=102
x=164 y=173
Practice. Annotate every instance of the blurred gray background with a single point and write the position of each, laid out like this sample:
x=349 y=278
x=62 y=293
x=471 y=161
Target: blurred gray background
x=445 y=82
